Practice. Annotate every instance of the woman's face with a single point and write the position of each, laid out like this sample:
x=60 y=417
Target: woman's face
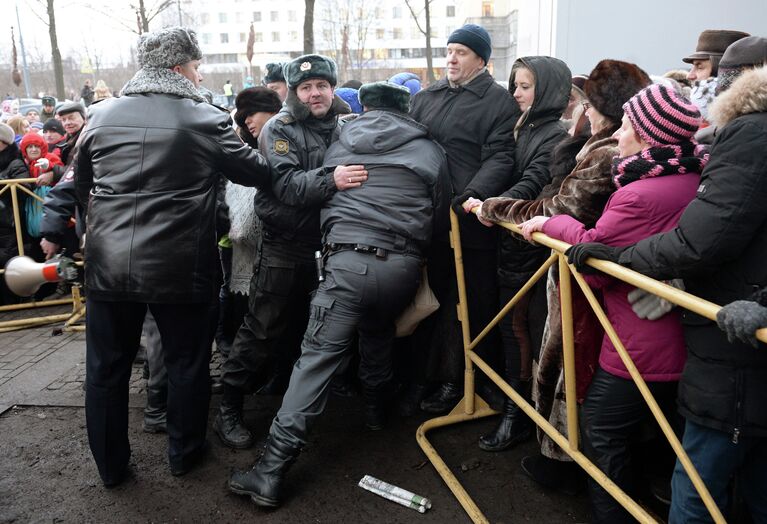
x=256 y=121
x=596 y=119
x=629 y=142
x=524 y=88
x=33 y=152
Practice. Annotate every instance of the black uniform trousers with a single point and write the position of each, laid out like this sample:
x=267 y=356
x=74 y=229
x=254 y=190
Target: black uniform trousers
x=362 y=294
x=284 y=277
x=113 y=332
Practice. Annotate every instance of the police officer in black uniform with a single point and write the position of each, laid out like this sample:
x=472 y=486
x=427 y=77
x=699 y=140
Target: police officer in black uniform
x=374 y=239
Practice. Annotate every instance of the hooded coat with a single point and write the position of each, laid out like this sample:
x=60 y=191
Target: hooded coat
x=719 y=248
x=407 y=173
x=37 y=140
x=11 y=167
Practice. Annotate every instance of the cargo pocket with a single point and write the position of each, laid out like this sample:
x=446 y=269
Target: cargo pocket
x=276 y=277
x=317 y=312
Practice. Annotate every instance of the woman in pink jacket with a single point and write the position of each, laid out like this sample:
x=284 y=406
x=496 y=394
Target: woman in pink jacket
x=657 y=174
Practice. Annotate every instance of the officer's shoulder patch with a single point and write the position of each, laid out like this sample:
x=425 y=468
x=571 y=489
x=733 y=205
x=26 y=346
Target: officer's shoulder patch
x=281 y=146
x=286 y=119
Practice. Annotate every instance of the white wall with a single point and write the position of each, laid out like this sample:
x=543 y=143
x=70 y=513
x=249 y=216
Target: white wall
x=655 y=34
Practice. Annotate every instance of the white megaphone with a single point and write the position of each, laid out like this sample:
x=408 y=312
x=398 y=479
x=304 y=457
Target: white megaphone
x=24 y=276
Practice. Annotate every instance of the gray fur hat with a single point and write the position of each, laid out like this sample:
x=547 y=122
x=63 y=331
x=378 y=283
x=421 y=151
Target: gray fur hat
x=6 y=134
x=274 y=73
x=385 y=95
x=168 y=47
x=310 y=66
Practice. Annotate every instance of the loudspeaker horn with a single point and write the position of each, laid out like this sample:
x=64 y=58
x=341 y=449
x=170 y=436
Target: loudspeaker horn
x=24 y=276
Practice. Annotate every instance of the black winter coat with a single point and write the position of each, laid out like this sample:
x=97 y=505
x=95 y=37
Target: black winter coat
x=474 y=124
x=720 y=248
x=151 y=163
x=407 y=177
x=537 y=137
x=295 y=143
x=12 y=167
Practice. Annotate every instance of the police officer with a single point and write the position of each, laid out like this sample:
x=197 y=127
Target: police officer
x=294 y=141
x=375 y=237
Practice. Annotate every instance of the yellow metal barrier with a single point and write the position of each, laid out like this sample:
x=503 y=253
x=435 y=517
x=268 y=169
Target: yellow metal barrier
x=472 y=406
x=78 y=308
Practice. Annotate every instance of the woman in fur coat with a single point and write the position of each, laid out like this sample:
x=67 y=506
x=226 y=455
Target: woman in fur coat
x=582 y=194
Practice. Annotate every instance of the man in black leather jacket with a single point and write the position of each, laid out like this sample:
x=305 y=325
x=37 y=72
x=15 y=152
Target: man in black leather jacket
x=147 y=171
x=375 y=237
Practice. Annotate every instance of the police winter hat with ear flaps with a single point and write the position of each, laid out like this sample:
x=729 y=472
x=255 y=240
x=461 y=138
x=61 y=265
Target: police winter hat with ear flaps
x=168 y=47
x=274 y=73
x=310 y=66
x=385 y=95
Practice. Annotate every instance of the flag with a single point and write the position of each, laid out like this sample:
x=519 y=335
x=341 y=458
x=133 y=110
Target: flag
x=251 y=42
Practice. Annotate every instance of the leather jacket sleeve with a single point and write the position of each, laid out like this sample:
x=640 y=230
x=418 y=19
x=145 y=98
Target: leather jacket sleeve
x=239 y=162
x=60 y=205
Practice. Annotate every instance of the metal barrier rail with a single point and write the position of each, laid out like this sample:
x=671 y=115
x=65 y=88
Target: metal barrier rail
x=472 y=406
x=14 y=185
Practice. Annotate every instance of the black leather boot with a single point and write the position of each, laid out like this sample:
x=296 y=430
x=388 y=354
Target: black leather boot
x=228 y=424
x=376 y=400
x=515 y=427
x=444 y=399
x=264 y=480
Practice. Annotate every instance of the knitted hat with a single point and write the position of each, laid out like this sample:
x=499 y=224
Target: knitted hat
x=6 y=134
x=349 y=96
x=71 y=107
x=33 y=139
x=274 y=73
x=54 y=125
x=385 y=95
x=661 y=116
x=409 y=80
x=48 y=101
x=611 y=84
x=306 y=67
x=255 y=100
x=36 y=125
x=168 y=47
x=475 y=38
x=713 y=42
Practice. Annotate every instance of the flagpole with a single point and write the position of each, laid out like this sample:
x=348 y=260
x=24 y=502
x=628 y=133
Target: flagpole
x=24 y=68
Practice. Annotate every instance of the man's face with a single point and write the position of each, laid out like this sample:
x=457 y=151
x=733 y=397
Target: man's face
x=281 y=88
x=52 y=137
x=700 y=70
x=462 y=63
x=33 y=116
x=47 y=109
x=190 y=70
x=72 y=122
x=317 y=94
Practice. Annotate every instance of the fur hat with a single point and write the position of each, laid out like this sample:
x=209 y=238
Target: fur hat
x=6 y=134
x=48 y=101
x=385 y=95
x=168 y=47
x=350 y=96
x=713 y=42
x=409 y=80
x=274 y=73
x=474 y=37
x=611 y=84
x=306 y=67
x=71 y=107
x=661 y=116
x=255 y=100
x=54 y=125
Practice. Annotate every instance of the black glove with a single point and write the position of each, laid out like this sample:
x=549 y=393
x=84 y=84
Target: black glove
x=578 y=254
x=457 y=202
x=741 y=319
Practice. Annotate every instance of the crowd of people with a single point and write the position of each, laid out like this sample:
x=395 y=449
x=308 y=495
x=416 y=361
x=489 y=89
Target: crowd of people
x=336 y=211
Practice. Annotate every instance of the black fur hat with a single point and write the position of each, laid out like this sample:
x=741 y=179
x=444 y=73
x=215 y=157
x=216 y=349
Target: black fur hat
x=255 y=100
x=385 y=95
x=274 y=73
x=611 y=84
x=310 y=66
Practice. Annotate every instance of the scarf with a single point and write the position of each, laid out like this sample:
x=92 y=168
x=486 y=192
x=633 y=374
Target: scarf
x=671 y=159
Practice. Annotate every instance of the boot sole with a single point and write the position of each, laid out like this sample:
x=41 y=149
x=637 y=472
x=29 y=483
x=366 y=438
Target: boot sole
x=229 y=443
x=505 y=445
x=258 y=499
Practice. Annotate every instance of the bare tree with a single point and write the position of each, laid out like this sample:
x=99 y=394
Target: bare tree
x=145 y=16
x=308 y=26
x=426 y=31
x=346 y=26
x=58 y=69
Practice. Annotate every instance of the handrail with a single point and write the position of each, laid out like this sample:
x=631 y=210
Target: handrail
x=465 y=410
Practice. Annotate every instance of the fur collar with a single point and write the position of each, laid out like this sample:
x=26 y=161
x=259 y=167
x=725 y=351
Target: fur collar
x=746 y=95
x=601 y=139
x=161 y=81
x=301 y=112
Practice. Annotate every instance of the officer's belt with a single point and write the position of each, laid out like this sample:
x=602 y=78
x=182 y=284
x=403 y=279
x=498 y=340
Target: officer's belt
x=379 y=252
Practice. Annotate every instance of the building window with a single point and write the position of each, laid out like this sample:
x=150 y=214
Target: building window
x=293 y=36
x=259 y=37
x=378 y=13
x=256 y=16
x=224 y=37
x=222 y=18
x=275 y=16
x=243 y=37
x=415 y=33
x=396 y=12
x=292 y=17
x=380 y=34
x=487 y=8
x=206 y=38
x=450 y=11
x=275 y=37
x=205 y=18
x=396 y=33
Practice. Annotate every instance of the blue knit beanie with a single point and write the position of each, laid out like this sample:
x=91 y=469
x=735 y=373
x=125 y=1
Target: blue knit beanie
x=409 y=80
x=475 y=38
x=350 y=96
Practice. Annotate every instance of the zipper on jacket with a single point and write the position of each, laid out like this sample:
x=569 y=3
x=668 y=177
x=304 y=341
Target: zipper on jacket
x=735 y=435
x=738 y=405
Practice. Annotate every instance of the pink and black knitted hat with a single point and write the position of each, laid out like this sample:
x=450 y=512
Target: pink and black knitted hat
x=662 y=116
